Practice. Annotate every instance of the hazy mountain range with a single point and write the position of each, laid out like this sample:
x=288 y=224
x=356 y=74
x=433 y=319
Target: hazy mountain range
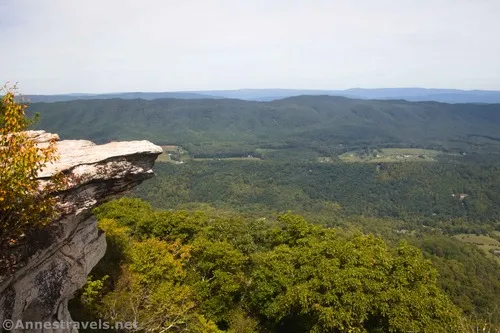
x=409 y=94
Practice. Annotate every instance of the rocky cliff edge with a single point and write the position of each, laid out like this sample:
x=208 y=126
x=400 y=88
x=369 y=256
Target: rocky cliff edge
x=55 y=263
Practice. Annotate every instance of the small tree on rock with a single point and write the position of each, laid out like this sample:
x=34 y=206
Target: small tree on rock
x=25 y=206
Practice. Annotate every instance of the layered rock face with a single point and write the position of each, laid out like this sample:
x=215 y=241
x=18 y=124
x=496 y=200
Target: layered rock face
x=55 y=262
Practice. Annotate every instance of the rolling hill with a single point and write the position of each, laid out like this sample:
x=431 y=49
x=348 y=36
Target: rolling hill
x=303 y=120
x=126 y=95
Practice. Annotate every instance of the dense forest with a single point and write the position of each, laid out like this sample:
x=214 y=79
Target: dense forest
x=424 y=193
x=310 y=123
x=307 y=214
x=213 y=271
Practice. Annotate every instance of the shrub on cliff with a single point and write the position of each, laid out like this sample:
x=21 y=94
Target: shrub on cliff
x=24 y=205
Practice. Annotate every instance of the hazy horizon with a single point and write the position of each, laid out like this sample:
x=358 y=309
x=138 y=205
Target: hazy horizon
x=63 y=47
x=250 y=89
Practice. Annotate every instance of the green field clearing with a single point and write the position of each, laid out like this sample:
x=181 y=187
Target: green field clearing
x=183 y=156
x=172 y=154
x=227 y=159
x=265 y=150
x=482 y=239
x=391 y=155
x=483 y=242
x=164 y=158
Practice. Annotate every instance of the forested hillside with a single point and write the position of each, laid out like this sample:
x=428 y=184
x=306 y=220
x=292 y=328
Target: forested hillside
x=311 y=122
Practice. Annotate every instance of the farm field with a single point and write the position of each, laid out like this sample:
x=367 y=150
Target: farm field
x=485 y=243
x=176 y=155
x=171 y=154
x=391 y=155
x=165 y=158
x=227 y=159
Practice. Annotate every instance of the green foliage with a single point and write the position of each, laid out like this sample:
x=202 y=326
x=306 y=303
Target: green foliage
x=92 y=291
x=330 y=284
x=151 y=260
x=280 y=275
x=150 y=289
x=218 y=276
x=241 y=322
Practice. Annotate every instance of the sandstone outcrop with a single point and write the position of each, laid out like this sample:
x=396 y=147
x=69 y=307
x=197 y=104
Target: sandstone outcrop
x=55 y=262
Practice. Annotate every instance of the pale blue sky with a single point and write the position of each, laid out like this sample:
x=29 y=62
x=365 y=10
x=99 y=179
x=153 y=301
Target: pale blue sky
x=62 y=46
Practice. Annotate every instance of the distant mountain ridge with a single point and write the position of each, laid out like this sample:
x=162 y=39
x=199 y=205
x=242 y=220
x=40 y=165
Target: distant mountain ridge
x=125 y=95
x=408 y=94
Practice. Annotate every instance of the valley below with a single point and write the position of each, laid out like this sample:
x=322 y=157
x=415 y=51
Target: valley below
x=420 y=173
